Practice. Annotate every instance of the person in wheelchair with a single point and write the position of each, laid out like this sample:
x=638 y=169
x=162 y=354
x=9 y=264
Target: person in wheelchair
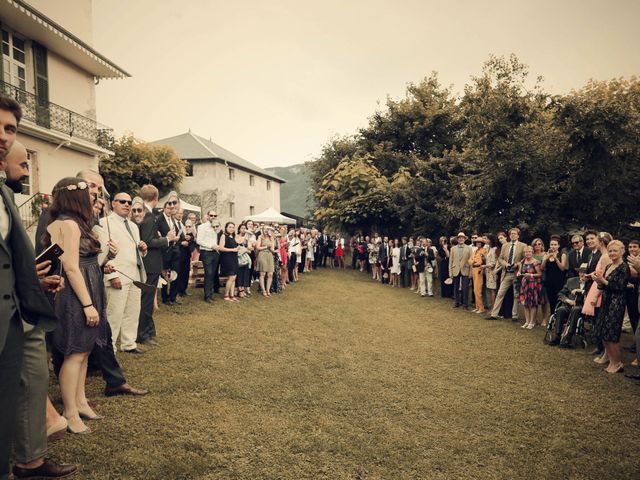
x=569 y=307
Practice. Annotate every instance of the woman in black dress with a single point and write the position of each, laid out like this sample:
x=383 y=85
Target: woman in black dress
x=228 y=248
x=554 y=266
x=80 y=307
x=243 y=280
x=446 y=289
x=613 y=283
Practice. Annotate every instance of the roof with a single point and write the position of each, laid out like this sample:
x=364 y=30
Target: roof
x=195 y=147
x=32 y=23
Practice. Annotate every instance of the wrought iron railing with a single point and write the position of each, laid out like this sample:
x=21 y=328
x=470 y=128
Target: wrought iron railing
x=54 y=117
x=31 y=209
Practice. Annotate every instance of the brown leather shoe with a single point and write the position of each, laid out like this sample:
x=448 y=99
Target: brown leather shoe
x=124 y=389
x=49 y=469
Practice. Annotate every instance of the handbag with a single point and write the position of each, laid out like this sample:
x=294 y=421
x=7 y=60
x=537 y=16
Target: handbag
x=244 y=259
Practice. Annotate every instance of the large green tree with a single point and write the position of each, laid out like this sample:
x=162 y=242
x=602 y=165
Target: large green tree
x=136 y=163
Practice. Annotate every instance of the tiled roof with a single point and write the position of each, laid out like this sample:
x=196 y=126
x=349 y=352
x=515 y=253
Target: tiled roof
x=195 y=147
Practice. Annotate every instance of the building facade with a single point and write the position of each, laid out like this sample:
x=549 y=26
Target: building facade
x=218 y=179
x=49 y=66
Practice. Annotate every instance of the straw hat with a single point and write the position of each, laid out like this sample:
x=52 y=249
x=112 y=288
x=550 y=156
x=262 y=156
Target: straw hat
x=461 y=234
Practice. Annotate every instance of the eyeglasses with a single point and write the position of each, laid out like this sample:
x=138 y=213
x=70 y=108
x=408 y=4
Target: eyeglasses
x=175 y=202
x=136 y=210
x=122 y=201
x=576 y=243
x=213 y=216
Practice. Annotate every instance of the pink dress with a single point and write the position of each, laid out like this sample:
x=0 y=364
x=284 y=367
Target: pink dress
x=283 y=251
x=594 y=295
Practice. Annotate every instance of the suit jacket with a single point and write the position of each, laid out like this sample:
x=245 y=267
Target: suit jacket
x=19 y=285
x=155 y=243
x=383 y=257
x=459 y=260
x=126 y=260
x=571 y=284
x=574 y=262
x=171 y=253
x=518 y=253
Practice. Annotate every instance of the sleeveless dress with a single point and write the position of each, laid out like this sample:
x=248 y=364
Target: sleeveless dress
x=73 y=335
x=594 y=295
x=283 y=252
x=554 y=279
x=265 y=260
x=229 y=260
x=395 y=259
x=530 y=288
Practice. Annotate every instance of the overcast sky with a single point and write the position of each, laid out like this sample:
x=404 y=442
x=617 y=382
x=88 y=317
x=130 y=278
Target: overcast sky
x=273 y=80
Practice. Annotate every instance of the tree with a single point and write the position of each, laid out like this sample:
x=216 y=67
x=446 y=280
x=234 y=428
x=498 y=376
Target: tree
x=354 y=196
x=136 y=163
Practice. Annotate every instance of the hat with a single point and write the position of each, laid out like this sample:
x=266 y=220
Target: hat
x=461 y=234
x=484 y=240
x=583 y=267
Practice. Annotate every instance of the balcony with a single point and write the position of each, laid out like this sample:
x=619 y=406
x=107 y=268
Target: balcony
x=54 y=117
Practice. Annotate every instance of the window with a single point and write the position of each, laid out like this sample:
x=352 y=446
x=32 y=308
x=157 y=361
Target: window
x=232 y=209
x=27 y=181
x=252 y=210
x=252 y=180
x=189 y=168
x=232 y=174
x=14 y=68
x=268 y=184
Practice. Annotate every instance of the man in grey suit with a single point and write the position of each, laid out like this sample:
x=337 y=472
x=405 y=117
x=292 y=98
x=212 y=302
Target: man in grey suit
x=512 y=253
x=21 y=297
x=460 y=271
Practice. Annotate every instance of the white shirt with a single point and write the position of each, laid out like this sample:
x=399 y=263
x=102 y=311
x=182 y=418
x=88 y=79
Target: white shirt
x=207 y=238
x=5 y=220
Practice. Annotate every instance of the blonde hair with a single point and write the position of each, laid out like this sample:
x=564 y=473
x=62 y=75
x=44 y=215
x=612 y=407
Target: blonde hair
x=615 y=243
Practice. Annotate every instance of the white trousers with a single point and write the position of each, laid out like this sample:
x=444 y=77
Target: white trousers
x=123 y=311
x=429 y=276
x=422 y=286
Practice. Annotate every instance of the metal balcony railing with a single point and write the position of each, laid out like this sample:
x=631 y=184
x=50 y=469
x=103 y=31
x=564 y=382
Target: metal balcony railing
x=31 y=209
x=54 y=117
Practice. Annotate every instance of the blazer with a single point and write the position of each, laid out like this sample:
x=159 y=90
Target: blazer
x=126 y=261
x=20 y=289
x=155 y=243
x=572 y=283
x=459 y=260
x=171 y=253
x=518 y=253
x=574 y=262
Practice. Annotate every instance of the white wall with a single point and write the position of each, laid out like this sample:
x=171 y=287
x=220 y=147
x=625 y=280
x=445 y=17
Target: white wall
x=74 y=15
x=71 y=87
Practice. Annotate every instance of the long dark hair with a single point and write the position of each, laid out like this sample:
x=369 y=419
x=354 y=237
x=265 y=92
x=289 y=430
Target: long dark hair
x=75 y=204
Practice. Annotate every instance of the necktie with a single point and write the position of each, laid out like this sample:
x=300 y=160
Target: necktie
x=512 y=252
x=138 y=259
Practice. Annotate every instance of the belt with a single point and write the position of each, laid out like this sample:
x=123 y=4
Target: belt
x=202 y=249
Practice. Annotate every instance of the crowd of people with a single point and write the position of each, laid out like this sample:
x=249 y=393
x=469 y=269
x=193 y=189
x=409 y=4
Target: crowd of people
x=501 y=276
x=89 y=290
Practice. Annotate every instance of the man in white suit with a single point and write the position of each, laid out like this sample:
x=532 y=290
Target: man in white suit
x=123 y=298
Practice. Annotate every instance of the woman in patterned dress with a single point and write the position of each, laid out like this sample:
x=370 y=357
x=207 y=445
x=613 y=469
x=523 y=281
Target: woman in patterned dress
x=613 y=284
x=530 y=275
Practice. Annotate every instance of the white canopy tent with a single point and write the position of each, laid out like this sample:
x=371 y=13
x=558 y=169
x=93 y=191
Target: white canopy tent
x=271 y=215
x=184 y=205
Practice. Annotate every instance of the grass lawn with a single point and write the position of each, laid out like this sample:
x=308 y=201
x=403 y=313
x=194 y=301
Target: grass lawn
x=343 y=378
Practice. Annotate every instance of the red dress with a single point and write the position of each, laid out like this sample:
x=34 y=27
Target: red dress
x=339 y=251
x=283 y=252
x=530 y=288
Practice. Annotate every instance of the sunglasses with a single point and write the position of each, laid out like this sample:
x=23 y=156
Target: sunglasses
x=172 y=203
x=213 y=216
x=576 y=243
x=122 y=201
x=136 y=210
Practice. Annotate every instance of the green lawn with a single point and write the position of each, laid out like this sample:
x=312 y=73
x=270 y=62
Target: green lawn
x=343 y=378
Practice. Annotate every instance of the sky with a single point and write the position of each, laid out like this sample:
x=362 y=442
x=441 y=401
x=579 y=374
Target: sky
x=272 y=81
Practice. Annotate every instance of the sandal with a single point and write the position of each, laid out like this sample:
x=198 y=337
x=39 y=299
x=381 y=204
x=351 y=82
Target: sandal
x=227 y=298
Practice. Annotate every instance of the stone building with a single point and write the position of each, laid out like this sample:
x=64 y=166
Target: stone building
x=219 y=179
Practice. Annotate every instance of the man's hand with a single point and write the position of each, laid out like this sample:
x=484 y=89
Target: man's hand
x=115 y=283
x=142 y=246
x=634 y=261
x=113 y=249
x=172 y=236
x=184 y=243
x=108 y=268
x=52 y=283
x=43 y=268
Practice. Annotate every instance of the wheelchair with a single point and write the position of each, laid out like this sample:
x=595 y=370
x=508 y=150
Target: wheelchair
x=579 y=337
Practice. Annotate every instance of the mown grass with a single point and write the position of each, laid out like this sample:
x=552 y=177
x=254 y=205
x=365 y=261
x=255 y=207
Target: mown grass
x=342 y=378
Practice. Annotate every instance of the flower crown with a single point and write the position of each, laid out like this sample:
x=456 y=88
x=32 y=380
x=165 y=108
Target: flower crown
x=79 y=186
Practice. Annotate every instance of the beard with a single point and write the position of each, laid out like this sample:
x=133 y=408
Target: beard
x=14 y=185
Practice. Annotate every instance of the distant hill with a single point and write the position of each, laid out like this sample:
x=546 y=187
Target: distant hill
x=293 y=195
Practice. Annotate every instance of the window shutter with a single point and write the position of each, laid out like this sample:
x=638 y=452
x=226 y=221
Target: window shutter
x=43 y=117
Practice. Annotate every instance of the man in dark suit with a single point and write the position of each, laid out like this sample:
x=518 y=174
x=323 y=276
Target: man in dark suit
x=571 y=300
x=153 y=262
x=577 y=256
x=383 y=258
x=320 y=258
x=166 y=224
x=186 y=238
x=21 y=296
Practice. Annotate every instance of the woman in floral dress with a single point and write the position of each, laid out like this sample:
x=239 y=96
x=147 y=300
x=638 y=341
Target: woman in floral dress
x=530 y=274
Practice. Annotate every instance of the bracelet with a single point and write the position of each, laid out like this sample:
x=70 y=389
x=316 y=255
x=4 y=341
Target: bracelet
x=87 y=306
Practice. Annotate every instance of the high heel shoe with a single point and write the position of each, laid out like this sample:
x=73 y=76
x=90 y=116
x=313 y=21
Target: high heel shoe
x=601 y=360
x=58 y=429
x=86 y=416
x=620 y=369
x=531 y=326
x=524 y=325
